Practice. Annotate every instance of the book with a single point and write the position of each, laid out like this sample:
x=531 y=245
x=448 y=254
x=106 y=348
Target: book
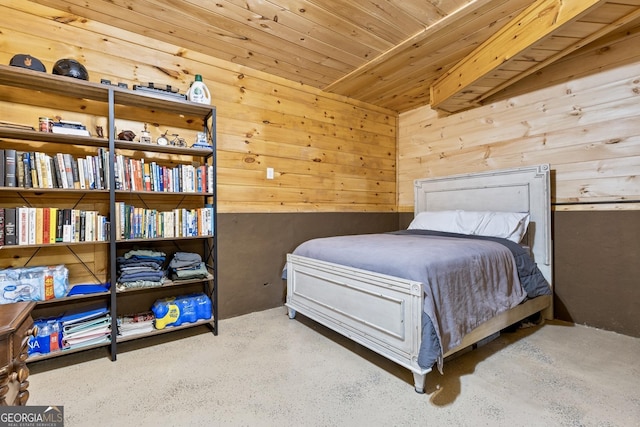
x=126 y=166
x=62 y=129
x=10 y=178
x=71 y=124
x=34 y=173
x=75 y=173
x=53 y=217
x=81 y=173
x=22 y=225
x=117 y=168
x=138 y=167
x=68 y=168
x=99 y=168
x=90 y=173
x=40 y=173
x=89 y=226
x=26 y=160
x=66 y=225
x=39 y=226
x=10 y=223
x=106 y=169
x=51 y=173
x=59 y=224
x=61 y=176
x=19 y=169
x=74 y=316
x=46 y=171
x=75 y=218
x=1 y=226
x=136 y=323
x=83 y=225
x=2 y=168
x=31 y=228
x=46 y=226
x=147 y=176
x=88 y=328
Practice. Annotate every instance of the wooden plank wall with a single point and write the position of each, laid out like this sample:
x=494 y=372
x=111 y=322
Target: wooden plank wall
x=332 y=156
x=329 y=153
x=586 y=125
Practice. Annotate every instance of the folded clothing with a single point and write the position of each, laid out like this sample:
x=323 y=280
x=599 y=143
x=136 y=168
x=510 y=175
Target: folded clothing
x=198 y=272
x=141 y=266
x=185 y=259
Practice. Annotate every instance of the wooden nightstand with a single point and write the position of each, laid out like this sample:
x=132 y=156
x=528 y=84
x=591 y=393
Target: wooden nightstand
x=16 y=326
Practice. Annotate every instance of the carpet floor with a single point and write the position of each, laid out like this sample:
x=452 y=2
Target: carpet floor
x=264 y=369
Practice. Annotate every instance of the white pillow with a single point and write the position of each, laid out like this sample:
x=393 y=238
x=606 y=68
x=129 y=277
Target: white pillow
x=508 y=225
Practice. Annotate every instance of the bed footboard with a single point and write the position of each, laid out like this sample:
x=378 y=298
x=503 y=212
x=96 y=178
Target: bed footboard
x=380 y=312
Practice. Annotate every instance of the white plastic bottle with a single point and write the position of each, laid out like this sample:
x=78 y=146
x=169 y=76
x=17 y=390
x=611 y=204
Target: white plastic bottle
x=199 y=92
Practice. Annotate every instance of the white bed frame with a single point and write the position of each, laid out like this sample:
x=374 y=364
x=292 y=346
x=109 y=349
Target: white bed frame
x=383 y=313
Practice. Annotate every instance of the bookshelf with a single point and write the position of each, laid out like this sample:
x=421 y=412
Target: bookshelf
x=109 y=197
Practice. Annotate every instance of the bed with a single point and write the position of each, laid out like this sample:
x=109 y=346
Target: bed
x=382 y=304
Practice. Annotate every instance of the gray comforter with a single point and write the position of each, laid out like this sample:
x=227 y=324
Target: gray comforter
x=466 y=280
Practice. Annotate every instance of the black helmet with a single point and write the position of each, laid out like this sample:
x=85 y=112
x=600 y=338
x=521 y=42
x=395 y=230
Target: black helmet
x=70 y=68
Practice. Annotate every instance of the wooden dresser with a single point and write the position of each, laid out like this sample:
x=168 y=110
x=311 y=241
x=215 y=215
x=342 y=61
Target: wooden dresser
x=16 y=326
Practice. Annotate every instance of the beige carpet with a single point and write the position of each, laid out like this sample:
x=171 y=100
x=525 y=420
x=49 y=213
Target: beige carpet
x=266 y=370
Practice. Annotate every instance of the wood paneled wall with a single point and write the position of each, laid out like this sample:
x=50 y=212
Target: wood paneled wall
x=582 y=116
x=332 y=157
x=329 y=153
x=586 y=125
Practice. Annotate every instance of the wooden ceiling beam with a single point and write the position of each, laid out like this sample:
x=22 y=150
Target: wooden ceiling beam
x=535 y=23
x=583 y=42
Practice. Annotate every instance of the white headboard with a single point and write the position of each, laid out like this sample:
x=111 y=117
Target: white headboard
x=525 y=189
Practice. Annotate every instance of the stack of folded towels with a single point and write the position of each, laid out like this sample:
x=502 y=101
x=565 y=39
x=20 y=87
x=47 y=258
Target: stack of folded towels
x=187 y=265
x=140 y=268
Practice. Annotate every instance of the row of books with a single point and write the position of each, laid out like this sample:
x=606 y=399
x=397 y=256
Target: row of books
x=62 y=170
x=44 y=226
x=34 y=169
x=140 y=175
x=141 y=223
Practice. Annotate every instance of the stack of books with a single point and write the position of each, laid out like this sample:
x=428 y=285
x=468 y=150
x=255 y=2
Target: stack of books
x=67 y=127
x=87 y=327
x=134 y=324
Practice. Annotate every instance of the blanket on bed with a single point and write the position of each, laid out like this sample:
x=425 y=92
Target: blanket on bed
x=531 y=278
x=466 y=281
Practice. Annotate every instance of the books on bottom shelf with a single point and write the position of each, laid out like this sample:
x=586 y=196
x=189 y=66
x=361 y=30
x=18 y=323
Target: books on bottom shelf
x=134 y=324
x=87 y=327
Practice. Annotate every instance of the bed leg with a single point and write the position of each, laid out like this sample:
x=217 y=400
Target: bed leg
x=291 y=312
x=418 y=380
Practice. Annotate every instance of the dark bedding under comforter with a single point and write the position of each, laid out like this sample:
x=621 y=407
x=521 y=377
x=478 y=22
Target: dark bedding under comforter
x=531 y=279
x=474 y=290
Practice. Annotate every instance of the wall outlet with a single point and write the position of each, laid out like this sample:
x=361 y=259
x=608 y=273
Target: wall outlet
x=269 y=173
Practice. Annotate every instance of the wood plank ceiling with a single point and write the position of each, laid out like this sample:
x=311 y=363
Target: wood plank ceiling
x=397 y=54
